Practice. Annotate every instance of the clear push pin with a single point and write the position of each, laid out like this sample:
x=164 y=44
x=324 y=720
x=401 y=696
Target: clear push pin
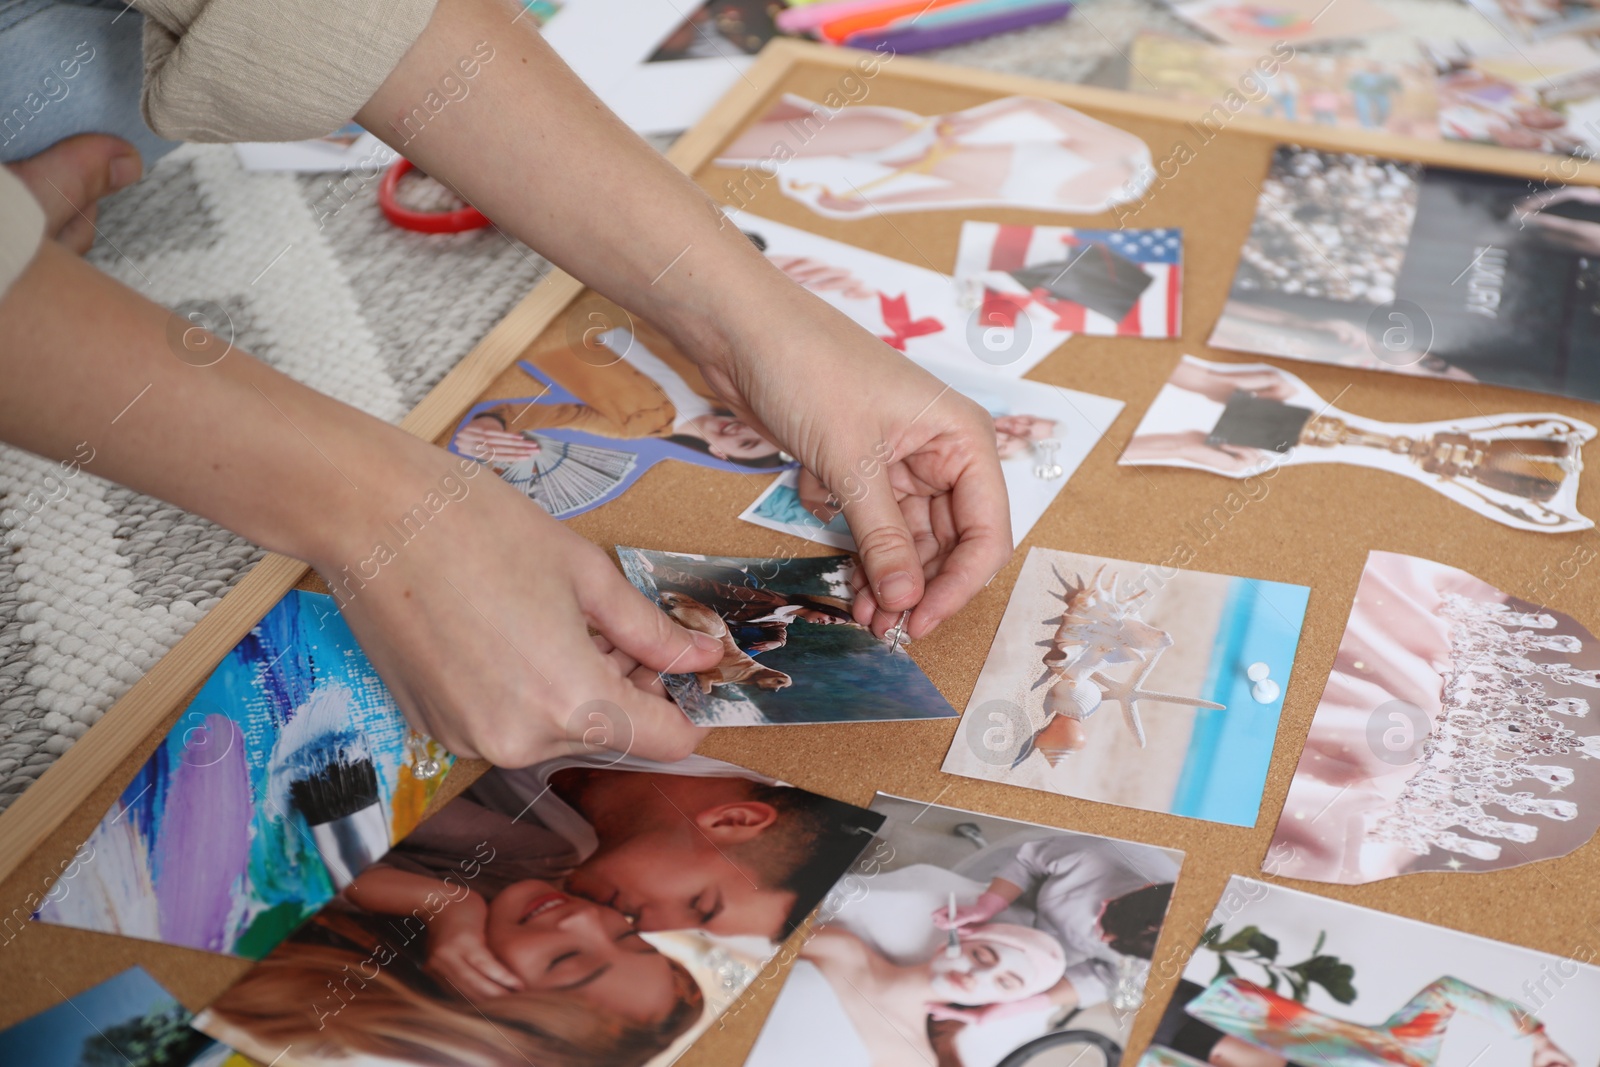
x=897 y=638
x=1048 y=468
x=423 y=765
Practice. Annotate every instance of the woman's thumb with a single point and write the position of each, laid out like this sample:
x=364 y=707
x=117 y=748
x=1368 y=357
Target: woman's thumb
x=642 y=630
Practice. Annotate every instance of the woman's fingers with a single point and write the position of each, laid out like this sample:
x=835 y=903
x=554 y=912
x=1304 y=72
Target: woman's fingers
x=888 y=551
x=647 y=680
x=629 y=713
x=640 y=628
x=917 y=511
x=620 y=661
x=930 y=520
x=946 y=536
x=627 y=667
x=645 y=641
x=980 y=518
x=863 y=607
x=970 y=566
x=652 y=726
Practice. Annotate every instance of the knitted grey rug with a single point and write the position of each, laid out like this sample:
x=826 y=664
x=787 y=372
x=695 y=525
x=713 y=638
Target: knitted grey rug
x=97 y=582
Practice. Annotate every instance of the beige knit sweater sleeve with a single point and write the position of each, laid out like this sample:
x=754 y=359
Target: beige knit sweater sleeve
x=244 y=70
x=269 y=70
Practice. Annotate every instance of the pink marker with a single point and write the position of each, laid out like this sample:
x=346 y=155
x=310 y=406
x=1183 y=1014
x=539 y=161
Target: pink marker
x=810 y=16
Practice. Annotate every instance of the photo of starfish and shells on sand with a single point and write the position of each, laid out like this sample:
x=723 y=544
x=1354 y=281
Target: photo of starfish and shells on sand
x=1196 y=666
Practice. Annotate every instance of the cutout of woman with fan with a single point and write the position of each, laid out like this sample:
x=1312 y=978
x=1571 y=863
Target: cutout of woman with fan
x=583 y=427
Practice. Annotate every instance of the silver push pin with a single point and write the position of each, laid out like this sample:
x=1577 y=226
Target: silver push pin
x=897 y=638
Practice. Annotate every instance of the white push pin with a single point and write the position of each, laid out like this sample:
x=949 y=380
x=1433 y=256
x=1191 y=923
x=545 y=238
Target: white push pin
x=1262 y=687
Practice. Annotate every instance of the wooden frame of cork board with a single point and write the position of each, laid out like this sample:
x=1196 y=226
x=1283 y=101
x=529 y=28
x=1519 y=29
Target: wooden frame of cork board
x=1314 y=528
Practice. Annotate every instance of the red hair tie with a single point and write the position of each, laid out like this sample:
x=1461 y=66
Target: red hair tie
x=457 y=221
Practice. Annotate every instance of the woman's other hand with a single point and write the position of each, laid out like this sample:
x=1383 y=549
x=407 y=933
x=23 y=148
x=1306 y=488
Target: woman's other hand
x=475 y=607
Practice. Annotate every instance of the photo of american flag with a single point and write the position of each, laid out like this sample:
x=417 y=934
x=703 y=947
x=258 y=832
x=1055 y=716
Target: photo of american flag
x=1106 y=283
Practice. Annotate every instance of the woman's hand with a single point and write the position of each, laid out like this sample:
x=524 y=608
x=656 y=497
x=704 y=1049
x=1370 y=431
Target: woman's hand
x=477 y=616
x=459 y=956
x=472 y=603
x=911 y=461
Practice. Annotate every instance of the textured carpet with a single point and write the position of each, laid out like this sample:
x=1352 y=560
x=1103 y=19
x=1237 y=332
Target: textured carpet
x=97 y=582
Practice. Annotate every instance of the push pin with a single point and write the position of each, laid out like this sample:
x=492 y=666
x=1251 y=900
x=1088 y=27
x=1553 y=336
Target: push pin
x=897 y=638
x=1262 y=688
x=1047 y=469
x=423 y=765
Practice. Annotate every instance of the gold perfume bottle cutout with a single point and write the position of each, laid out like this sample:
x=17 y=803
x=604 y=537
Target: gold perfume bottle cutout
x=1532 y=468
x=1517 y=464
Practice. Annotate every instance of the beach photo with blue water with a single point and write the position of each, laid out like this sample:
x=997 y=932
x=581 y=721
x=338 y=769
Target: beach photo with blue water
x=780 y=508
x=792 y=653
x=290 y=771
x=1134 y=684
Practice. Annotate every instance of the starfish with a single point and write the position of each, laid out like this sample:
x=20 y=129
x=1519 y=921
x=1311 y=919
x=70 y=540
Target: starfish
x=1128 y=694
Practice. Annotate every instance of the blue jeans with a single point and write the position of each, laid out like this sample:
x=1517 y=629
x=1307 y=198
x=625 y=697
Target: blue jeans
x=70 y=67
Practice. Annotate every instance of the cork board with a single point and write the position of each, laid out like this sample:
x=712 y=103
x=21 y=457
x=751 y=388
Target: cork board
x=1313 y=528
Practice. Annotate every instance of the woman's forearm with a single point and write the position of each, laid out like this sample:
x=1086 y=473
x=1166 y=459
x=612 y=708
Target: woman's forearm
x=92 y=369
x=529 y=145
